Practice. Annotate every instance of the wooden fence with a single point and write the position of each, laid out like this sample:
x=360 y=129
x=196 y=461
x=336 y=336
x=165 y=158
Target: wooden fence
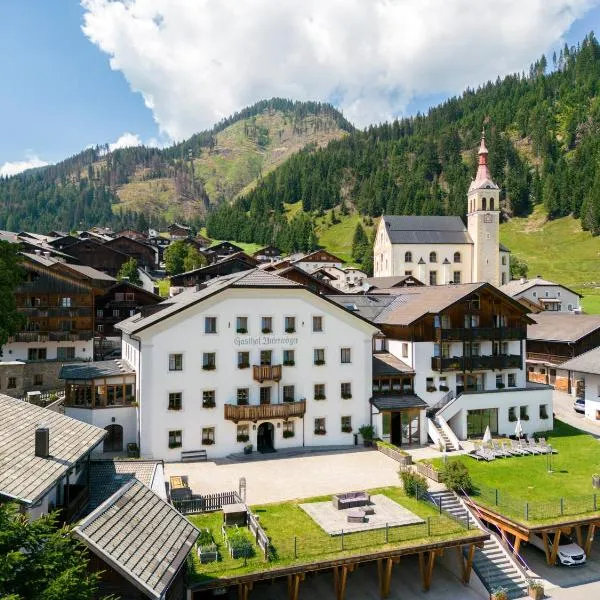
x=208 y=503
x=259 y=534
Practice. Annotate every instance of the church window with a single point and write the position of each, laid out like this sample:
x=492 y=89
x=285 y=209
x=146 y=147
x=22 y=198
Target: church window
x=483 y=204
x=491 y=204
x=433 y=278
x=432 y=257
x=408 y=257
x=457 y=257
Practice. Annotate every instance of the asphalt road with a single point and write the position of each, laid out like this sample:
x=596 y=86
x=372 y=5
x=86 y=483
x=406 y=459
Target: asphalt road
x=563 y=410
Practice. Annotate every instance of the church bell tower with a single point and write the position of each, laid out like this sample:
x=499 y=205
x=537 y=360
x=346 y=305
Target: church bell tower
x=483 y=221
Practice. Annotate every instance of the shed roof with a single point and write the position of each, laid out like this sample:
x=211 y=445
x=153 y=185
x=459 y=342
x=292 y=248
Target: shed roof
x=94 y=370
x=25 y=476
x=409 y=229
x=141 y=536
x=588 y=362
x=385 y=363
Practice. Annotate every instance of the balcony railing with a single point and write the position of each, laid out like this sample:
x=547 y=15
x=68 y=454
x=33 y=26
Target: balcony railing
x=482 y=333
x=257 y=412
x=262 y=373
x=553 y=359
x=476 y=363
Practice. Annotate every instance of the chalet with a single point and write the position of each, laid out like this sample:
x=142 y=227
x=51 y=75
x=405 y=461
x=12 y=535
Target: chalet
x=58 y=302
x=145 y=255
x=120 y=302
x=314 y=284
x=132 y=234
x=233 y=264
x=554 y=338
x=317 y=260
x=45 y=459
x=348 y=279
x=220 y=251
x=268 y=254
x=98 y=255
x=548 y=295
x=179 y=232
x=139 y=544
x=450 y=363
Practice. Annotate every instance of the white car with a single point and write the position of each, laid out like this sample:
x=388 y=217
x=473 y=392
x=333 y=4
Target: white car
x=569 y=553
x=579 y=405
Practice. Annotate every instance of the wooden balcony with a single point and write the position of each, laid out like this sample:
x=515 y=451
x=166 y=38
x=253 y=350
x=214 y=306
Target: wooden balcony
x=476 y=363
x=551 y=359
x=482 y=333
x=257 y=412
x=262 y=373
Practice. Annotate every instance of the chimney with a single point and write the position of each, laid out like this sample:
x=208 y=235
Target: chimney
x=42 y=442
x=47 y=254
x=38 y=252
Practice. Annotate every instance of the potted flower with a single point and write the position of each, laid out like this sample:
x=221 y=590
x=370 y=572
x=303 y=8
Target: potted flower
x=290 y=330
x=346 y=396
x=248 y=449
x=444 y=388
x=266 y=330
x=368 y=433
x=320 y=432
x=289 y=363
x=319 y=362
x=535 y=589
x=499 y=593
x=207 y=442
x=242 y=330
x=347 y=429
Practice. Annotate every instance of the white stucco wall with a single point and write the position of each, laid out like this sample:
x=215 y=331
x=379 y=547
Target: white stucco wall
x=566 y=297
x=184 y=334
x=18 y=350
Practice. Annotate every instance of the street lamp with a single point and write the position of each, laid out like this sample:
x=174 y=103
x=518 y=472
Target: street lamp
x=549 y=459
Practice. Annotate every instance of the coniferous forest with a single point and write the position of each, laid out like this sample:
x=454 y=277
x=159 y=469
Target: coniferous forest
x=542 y=131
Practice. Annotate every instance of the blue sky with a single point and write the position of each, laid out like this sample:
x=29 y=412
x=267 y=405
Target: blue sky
x=60 y=94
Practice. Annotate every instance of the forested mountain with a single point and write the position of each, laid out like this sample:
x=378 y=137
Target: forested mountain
x=131 y=186
x=542 y=133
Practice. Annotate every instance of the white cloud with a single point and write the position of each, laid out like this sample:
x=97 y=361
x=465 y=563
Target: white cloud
x=127 y=140
x=196 y=61
x=18 y=166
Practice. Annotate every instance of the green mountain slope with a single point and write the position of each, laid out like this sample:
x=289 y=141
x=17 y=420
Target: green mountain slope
x=132 y=186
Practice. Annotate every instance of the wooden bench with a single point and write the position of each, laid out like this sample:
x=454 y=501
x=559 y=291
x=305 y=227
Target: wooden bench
x=193 y=455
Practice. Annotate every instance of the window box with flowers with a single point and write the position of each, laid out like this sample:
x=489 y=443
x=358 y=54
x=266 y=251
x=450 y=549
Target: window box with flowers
x=289 y=363
x=288 y=434
x=207 y=442
x=243 y=437
x=346 y=428
x=243 y=365
x=444 y=388
x=346 y=395
x=500 y=385
x=431 y=388
x=174 y=445
x=320 y=432
x=319 y=362
x=241 y=330
x=320 y=397
x=208 y=404
x=267 y=330
x=209 y=367
x=290 y=330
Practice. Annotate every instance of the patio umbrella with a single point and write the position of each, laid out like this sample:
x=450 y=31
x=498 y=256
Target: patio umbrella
x=519 y=429
x=487 y=436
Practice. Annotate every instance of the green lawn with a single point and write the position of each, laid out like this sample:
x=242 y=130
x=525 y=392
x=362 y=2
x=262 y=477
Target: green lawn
x=163 y=287
x=527 y=489
x=297 y=539
x=558 y=250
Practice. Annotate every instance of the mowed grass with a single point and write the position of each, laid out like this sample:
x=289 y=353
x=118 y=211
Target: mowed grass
x=558 y=250
x=297 y=539
x=525 y=479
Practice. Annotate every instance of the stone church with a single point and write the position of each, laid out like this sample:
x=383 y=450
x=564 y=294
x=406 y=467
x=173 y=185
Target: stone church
x=441 y=250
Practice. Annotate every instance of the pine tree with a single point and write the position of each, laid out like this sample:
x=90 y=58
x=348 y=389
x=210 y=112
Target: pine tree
x=360 y=243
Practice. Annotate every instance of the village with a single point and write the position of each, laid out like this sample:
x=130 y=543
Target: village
x=281 y=425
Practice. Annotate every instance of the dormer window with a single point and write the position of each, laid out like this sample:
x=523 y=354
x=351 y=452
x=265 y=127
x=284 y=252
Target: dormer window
x=432 y=257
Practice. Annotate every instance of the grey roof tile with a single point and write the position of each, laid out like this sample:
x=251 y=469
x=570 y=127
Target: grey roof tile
x=93 y=370
x=562 y=327
x=589 y=362
x=408 y=229
x=23 y=475
x=141 y=535
x=393 y=402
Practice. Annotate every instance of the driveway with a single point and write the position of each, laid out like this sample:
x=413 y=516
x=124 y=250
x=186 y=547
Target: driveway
x=279 y=479
x=563 y=410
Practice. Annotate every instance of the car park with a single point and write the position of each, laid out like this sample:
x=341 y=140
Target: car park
x=569 y=553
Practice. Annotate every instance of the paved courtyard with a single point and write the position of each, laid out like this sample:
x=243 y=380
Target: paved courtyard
x=386 y=512
x=279 y=479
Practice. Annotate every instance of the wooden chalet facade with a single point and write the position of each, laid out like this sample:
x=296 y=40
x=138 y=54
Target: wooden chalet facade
x=234 y=264
x=144 y=254
x=98 y=255
x=118 y=303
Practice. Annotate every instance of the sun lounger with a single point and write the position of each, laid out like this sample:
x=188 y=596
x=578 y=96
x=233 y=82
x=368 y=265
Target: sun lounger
x=500 y=451
x=533 y=447
x=485 y=454
x=517 y=448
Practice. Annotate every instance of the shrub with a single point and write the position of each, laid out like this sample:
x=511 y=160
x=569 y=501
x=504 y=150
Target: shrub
x=205 y=538
x=456 y=477
x=240 y=542
x=367 y=432
x=415 y=485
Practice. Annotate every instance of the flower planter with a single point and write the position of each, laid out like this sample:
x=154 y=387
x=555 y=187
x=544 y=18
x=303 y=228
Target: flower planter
x=209 y=404
x=248 y=449
x=243 y=438
x=290 y=330
x=319 y=363
x=288 y=434
x=265 y=330
x=243 y=366
x=320 y=432
x=241 y=330
x=536 y=592
x=208 y=367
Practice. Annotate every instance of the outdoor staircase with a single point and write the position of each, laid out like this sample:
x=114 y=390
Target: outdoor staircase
x=448 y=447
x=494 y=566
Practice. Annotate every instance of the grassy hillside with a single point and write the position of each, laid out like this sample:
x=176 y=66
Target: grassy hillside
x=558 y=250
x=242 y=153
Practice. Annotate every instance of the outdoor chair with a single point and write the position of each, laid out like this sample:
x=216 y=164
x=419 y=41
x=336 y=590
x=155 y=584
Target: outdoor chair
x=533 y=447
x=517 y=448
x=499 y=450
x=485 y=454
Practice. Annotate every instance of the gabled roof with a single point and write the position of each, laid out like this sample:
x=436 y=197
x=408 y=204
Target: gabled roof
x=141 y=536
x=240 y=257
x=408 y=229
x=553 y=326
x=393 y=281
x=25 y=476
x=518 y=286
x=254 y=278
x=319 y=256
x=385 y=363
x=588 y=362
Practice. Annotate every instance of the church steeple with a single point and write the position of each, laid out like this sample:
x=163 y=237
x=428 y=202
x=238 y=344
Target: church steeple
x=483 y=177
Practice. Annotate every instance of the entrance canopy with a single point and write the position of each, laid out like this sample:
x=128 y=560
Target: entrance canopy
x=384 y=403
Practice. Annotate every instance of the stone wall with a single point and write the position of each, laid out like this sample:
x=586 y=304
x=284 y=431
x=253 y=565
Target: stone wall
x=16 y=370
x=25 y=374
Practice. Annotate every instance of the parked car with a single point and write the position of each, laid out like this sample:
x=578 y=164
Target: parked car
x=113 y=354
x=569 y=553
x=579 y=405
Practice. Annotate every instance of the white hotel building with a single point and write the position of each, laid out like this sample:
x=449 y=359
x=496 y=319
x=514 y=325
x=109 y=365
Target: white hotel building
x=249 y=358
